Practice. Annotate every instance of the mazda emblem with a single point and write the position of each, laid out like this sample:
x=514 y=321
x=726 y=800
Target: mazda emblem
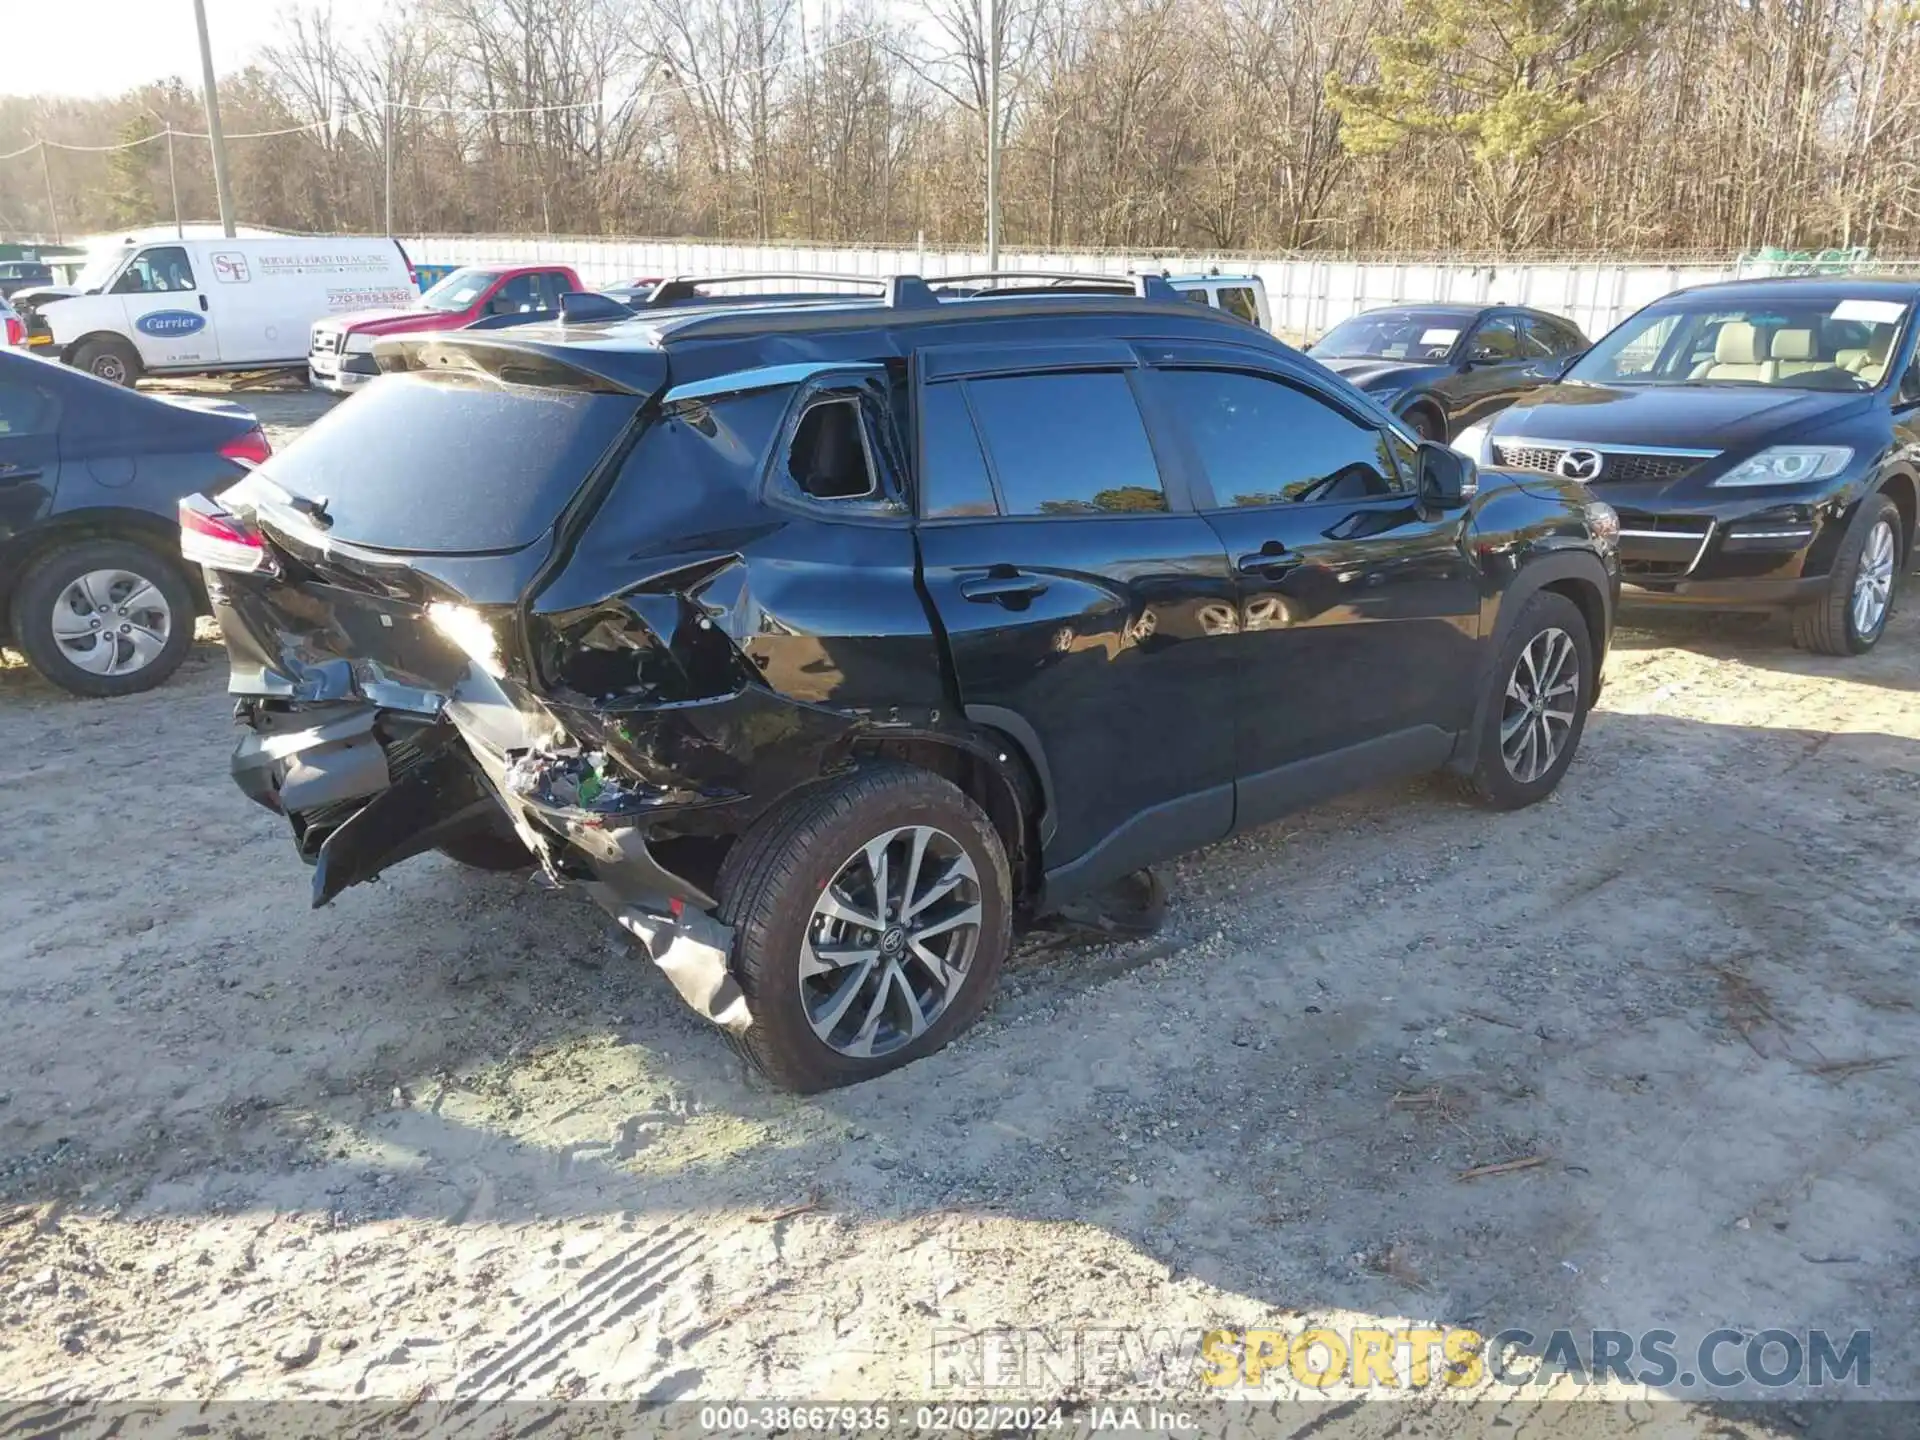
x=1579 y=464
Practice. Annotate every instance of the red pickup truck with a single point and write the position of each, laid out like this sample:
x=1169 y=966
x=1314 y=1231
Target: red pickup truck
x=340 y=356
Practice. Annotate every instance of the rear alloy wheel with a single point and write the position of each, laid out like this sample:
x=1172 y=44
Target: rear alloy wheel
x=1852 y=616
x=1532 y=724
x=871 y=918
x=104 y=617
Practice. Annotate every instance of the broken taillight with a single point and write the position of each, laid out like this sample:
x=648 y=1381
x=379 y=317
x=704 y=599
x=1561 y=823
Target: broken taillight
x=219 y=539
x=249 y=449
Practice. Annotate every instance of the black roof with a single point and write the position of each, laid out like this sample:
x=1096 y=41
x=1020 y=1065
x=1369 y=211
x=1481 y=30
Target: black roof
x=699 y=340
x=1807 y=287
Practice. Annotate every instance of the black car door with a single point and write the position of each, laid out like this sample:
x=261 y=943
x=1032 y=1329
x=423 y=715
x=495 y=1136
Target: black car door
x=1087 y=608
x=29 y=445
x=1499 y=366
x=1357 y=607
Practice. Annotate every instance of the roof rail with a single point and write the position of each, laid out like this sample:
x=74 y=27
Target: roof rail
x=687 y=287
x=1146 y=287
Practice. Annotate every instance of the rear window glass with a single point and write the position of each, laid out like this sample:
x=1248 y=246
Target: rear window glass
x=449 y=463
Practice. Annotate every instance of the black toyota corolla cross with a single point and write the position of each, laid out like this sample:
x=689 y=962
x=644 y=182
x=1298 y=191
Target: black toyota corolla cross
x=823 y=643
x=1761 y=442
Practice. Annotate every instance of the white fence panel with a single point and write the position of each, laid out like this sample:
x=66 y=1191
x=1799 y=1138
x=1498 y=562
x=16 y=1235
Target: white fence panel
x=1307 y=295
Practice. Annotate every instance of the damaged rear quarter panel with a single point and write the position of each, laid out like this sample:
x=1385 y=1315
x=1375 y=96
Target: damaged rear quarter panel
x=823 y=604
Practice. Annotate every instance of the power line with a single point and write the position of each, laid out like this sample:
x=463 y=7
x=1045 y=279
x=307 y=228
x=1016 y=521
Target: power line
x=476 y=110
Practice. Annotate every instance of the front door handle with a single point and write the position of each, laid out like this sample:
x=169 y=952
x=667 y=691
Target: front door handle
x=1003 y=585
x=203 y=302
x=1270 y=561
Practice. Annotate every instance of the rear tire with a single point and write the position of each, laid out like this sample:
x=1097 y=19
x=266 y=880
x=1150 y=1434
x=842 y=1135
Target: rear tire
x=818 y=983
x=104 y=617
x=1543 y=684
x=1869 y=558
x=109 y=359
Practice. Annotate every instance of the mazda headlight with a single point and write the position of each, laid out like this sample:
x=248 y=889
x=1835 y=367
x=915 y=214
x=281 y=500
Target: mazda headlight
x=1603 y=524
x=1476 y=442
x=1788 y=465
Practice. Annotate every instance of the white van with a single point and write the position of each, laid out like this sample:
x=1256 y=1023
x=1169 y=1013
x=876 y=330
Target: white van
x=174 y=307
x=1242 y=295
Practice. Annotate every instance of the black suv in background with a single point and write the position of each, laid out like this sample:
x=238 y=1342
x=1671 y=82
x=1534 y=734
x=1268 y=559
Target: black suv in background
x=1441 y=368
x=823 y=642
x=1761 y=442
x=19 y=274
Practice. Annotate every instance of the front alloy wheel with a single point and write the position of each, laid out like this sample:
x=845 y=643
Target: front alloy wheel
x=1873 y=583
x=891 y=939
x=1542 y=699
x=1536 y=706
x=1851 y=614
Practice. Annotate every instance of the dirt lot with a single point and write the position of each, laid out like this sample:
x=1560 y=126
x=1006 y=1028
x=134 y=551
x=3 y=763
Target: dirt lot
x=450 y=1136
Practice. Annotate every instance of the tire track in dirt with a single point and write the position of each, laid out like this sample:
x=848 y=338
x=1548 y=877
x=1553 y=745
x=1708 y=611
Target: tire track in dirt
x=617 y=1289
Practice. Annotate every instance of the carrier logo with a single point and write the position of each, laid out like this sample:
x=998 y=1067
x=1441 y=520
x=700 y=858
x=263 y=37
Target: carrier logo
x=165 y=324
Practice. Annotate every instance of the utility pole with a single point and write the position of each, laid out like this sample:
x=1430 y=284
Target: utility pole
x=53 y=206
x=993 y=134
x=173 y=184
x=214 y=137
x=386 y=111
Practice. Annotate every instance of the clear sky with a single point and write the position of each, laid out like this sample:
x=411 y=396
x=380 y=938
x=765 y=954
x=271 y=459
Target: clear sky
x=101 y=47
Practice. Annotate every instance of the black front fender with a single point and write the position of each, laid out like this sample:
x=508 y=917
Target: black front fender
x=1590 y=581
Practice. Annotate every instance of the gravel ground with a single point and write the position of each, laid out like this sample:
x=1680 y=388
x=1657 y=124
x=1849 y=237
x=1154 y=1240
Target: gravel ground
x=449 y=1136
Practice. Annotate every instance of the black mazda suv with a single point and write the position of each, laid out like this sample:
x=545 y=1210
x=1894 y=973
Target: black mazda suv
x=824 y=642
x=1760 y=441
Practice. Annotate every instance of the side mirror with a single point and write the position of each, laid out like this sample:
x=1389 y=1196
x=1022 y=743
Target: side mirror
x=1448 y=479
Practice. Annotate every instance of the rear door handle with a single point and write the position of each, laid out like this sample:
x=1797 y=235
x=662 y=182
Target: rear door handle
x=18 y=472
x=1003 y=585
x=1270 y=561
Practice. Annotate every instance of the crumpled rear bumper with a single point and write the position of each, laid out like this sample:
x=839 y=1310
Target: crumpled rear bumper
x=365 y=788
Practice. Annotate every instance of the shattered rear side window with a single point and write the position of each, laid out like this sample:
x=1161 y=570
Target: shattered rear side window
x=684 y=462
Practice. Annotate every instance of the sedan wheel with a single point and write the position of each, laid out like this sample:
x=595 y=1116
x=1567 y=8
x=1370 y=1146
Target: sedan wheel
x=892 y=936
x=112 y=622
x=104 y=617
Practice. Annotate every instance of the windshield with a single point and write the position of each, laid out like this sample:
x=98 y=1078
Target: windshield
x=1393 y=335
x=1793 y=344
x=458 y=290
x=98 y=270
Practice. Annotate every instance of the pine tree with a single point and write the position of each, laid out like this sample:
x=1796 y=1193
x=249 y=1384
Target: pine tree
x=1502 y=83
